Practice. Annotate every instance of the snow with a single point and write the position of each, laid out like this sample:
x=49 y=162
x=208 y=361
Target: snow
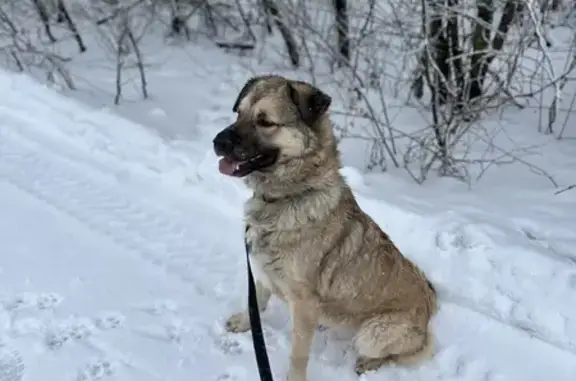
x=122 y=256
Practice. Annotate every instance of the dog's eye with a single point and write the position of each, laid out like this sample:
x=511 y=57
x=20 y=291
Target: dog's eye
x=265 y=123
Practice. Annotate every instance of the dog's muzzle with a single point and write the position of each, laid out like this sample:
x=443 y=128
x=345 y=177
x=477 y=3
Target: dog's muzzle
x=237 y=159
x=225 y=141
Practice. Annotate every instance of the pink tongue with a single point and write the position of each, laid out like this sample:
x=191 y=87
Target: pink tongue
x=226 y=166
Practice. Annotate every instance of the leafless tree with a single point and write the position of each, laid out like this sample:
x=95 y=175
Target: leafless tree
x=122 y=32
x=454 y=63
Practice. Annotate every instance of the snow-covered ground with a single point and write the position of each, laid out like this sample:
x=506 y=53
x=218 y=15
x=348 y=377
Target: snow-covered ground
x=121 y=245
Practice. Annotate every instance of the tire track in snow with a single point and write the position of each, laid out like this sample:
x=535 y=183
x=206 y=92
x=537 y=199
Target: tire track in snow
x=157 y=234
x=96 y=206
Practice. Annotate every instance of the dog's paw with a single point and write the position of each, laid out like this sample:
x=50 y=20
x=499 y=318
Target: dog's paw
x=367 y=364
x=238 y=323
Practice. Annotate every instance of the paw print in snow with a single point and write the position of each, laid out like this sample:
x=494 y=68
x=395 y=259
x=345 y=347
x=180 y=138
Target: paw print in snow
x=110 y=321
x=41 y=301
x=461 y=239
x=97 y=370
x=48 y=300
x=80 y=331
x=73 y=329
x=229 y=346
x=55 y=340
x=458 y=237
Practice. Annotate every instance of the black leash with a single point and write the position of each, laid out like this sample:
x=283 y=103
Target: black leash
x=255 y=323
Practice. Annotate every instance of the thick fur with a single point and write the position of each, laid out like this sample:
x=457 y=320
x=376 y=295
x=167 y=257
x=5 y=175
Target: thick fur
x=312 y=245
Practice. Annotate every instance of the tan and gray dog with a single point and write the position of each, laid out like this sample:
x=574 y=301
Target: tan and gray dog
x=312 y=245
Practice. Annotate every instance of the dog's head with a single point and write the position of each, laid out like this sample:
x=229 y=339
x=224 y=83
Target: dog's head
x=277 y=120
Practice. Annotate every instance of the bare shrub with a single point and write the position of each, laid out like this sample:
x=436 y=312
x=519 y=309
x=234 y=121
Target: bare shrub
x=22 y=49
x=455 y=63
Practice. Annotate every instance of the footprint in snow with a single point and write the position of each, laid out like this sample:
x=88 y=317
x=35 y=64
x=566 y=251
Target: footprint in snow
x=46 y=301
x=31 y=300
x=73 y=329
x=96 y=370
x=229 y=345
x=109 y=321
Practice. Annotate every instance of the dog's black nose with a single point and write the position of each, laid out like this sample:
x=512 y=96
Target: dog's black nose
x=224 y=142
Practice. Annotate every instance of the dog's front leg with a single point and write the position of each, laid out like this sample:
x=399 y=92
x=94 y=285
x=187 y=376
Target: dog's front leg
x=240 y=322
x=304 y=323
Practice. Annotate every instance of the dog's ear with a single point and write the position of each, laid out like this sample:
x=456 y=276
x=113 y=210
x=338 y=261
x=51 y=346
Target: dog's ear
x=312 y=102
x=245 y=90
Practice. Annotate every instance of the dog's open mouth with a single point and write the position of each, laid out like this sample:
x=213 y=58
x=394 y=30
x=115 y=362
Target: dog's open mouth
x=232 y=167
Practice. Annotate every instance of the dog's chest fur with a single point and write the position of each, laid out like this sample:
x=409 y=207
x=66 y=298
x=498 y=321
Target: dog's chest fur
x=267 y=262
x=275 y=248
x=285 y=237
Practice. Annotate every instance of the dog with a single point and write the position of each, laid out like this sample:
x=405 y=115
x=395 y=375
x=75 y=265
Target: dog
x=312 y=245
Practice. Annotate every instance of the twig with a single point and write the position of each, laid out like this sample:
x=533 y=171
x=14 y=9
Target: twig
x=565 y=189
